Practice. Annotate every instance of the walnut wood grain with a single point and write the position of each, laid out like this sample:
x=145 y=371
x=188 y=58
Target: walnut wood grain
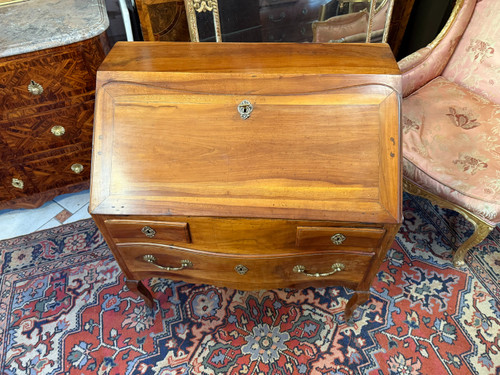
x=318 y=155
x=161 y=231
x=353 y=238
x=249 y=58
x=256 y=172
x=241 y=235
x=264 y=271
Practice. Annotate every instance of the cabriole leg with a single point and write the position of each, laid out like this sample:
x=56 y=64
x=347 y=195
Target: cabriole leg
x=138 y=288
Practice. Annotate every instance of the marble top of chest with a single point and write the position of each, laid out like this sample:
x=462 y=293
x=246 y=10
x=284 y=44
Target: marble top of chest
x=34 y=25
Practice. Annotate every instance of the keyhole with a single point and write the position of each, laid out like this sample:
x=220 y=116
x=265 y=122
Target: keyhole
x=244 y=109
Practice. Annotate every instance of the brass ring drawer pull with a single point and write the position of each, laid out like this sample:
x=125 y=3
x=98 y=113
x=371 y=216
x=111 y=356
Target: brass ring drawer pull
x=148 y=231
x=152 y=259
x=17 y=183
x=336 y=267
x=77 y=168
x=58 y=130
x=35 y=88
x=244 y=109
x=338 y=238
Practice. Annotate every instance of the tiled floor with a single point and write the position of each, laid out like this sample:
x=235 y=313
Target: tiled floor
x=62 y=210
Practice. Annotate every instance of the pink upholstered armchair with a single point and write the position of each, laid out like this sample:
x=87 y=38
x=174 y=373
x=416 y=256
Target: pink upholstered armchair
x=451 y=118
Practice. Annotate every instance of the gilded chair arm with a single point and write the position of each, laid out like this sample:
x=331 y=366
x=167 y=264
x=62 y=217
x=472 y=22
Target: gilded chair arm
x=429 y=62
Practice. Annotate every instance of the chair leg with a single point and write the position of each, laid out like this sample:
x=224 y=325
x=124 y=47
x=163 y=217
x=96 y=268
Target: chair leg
x=481 y=231
x=481 y=228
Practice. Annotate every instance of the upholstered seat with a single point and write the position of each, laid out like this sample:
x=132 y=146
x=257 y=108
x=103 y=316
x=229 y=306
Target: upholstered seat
x=451 y=118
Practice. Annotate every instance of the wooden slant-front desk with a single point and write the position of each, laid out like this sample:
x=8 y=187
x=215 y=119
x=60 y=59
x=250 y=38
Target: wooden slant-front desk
x=250 y=166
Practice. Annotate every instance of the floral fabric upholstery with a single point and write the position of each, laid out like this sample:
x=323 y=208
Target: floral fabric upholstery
x=475 y=63
x=451 y=146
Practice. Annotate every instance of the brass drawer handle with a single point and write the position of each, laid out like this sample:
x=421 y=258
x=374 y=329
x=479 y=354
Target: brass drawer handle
x=338 y=238
x=35 y=88
x=152 y=259
x=17 y=183
x=77 y=168
x=148 y=231
x=336 y=267
x=244 y=109
x=58 y=130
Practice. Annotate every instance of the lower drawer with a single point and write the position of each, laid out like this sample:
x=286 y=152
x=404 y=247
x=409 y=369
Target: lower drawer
x=14 y=183
x=245 y=272
x=45 y=131
x=67 y=166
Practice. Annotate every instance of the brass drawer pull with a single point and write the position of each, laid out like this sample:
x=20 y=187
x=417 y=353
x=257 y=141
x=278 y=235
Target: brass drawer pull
x=35 y=88
x=77 y=168
x=17 y=183
x=244 y=109
x=148 y=231
x=336 y=267
x=152 y=259
x=337 y=239
x=58 y=130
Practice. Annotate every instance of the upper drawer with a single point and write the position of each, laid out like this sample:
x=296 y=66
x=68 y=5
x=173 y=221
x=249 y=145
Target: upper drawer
x=41 y=79
x=339 y=238
x=155 y=231
x=244 y=236
x=45 y=131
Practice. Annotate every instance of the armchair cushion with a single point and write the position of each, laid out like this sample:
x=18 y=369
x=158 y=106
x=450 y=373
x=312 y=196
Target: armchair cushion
x=451 y=146
x=475 y=63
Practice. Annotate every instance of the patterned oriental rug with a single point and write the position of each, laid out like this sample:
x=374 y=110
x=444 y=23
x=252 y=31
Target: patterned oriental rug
x=64 y=309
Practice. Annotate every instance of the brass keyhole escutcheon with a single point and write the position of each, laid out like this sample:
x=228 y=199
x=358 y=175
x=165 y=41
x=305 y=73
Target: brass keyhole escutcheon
x=337 y=239
x=17 y=183
x=241 y=269
x=244 y=109
x=148 y=231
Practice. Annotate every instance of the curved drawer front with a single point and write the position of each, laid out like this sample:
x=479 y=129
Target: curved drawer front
x=47 y=77
x=64 y=166
x=245 y=272
x=14 y=183
x=49 y=130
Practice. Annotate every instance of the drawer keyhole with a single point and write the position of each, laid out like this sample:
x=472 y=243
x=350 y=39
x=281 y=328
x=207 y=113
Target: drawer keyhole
x=241 y=269
x=244 y=109
x=148 y=231
x=337 y=239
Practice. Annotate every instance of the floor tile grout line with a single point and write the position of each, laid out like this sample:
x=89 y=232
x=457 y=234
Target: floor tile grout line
x=84 y=206
x=52 y=218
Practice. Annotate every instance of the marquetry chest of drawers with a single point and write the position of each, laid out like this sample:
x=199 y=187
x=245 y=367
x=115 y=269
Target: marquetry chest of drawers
x=251 y=166
x=46 y=120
